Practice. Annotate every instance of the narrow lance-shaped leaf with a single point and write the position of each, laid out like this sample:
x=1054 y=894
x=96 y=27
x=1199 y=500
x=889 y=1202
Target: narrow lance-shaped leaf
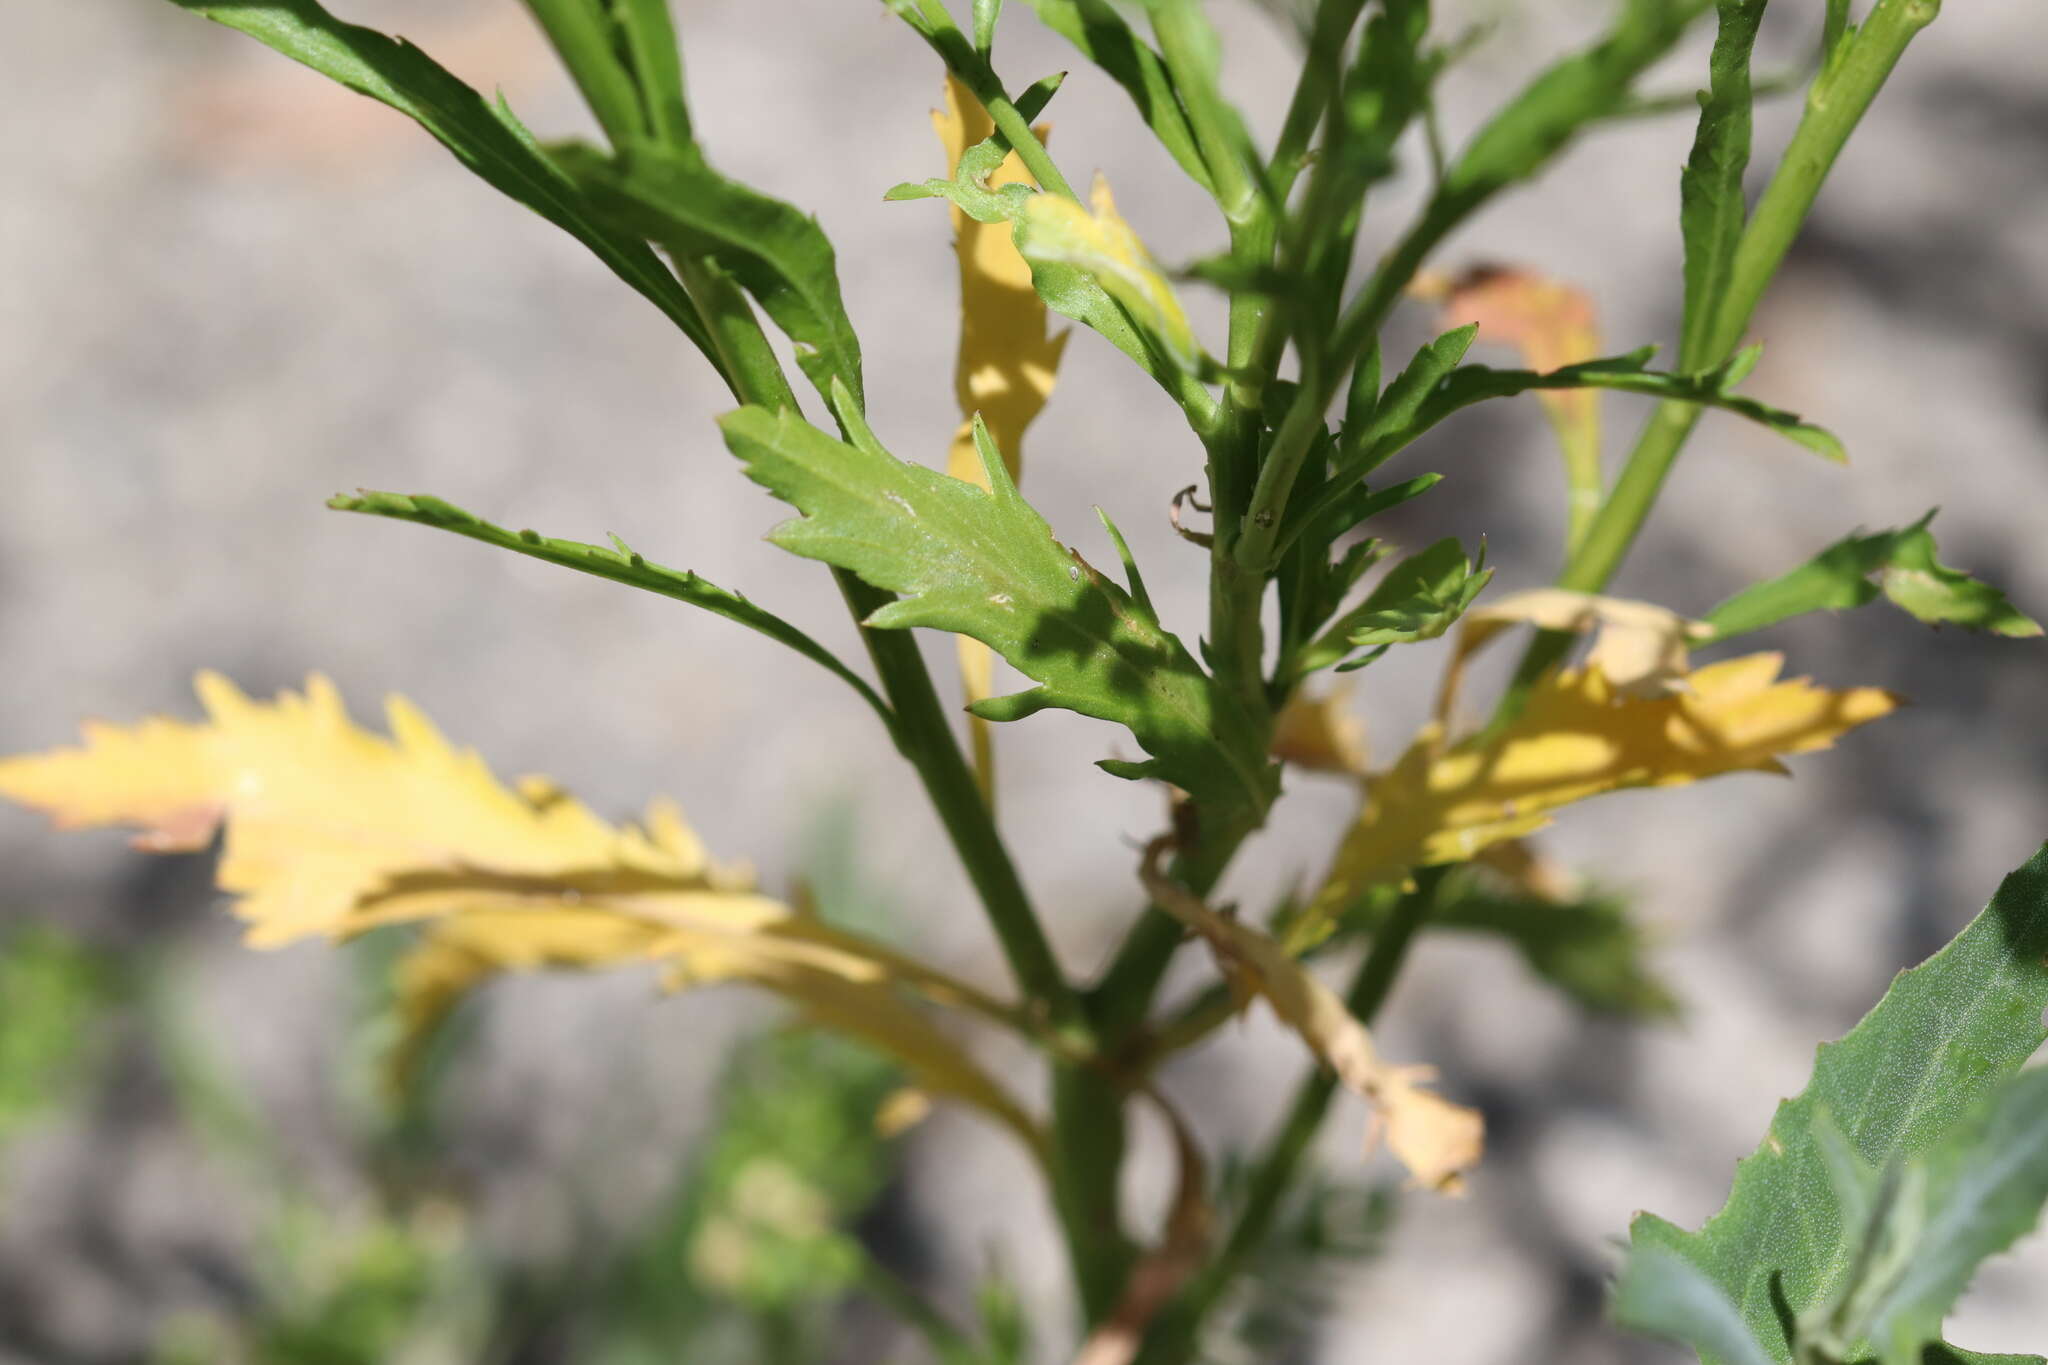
x=620 y=564
x=983 y=563
x=1900 y=564
x=1419 y=599
x=669 y=194
x=1916 y=1075
x=1054 y=230
x=483 y=136
x=1712 y=210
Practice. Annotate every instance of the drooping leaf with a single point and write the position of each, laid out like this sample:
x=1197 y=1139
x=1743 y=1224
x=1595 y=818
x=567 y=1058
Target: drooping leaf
x=1437 y=1141
x=1054 y=230
x=485 y=137
x=1901 y=564
x=331 y=830
x=1921 y=1083
x=620 y=564
x=668 y=194
x=983 y=563
x=1577 y=737
x=1712 y=210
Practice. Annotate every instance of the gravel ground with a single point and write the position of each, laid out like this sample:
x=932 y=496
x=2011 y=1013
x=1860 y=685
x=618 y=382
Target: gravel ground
x=236 y=291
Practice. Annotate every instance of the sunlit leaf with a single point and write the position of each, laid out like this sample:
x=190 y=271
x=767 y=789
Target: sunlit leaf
x=1640 y=647
x=1098 y=242
x=1578 y=736
x=1922 y=1089
x=983 y=563
x=1901 y=564
x=329 y=830
x=1006 y=364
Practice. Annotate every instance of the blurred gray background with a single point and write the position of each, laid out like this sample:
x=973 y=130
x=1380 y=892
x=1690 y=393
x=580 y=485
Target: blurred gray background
x=233 y=290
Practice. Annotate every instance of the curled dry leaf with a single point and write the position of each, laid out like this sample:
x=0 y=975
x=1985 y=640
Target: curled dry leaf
x=1437 y=1141
x=1321 y=733
x=1007 y=363
x=1576 y=737
x=331 y=830
x=1641 y=648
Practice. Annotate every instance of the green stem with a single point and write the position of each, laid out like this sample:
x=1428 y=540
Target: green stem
x=1320 y=73
x=1173 y=1340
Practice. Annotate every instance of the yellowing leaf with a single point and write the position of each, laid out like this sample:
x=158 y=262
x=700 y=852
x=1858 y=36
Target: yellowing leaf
x=1576 y=737
x=1640 y=647
x=1006 y=365
x=332 y=830
x=1435 y=1139
x=1102 y=244
x=1320 y=734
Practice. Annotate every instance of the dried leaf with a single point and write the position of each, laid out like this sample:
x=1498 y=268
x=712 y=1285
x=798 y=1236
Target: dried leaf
x=1640 y=647
x=1321 y=734
x=1435 y=1139
x=1578 y=736
x=331 y=830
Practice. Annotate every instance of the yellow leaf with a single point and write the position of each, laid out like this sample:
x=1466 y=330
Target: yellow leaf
x=1576 y=737
x=1006 y=364
x=1320 y=734
x=1640 y=647
x=1437 y=1140
x=1103 y=245
x=332 y=830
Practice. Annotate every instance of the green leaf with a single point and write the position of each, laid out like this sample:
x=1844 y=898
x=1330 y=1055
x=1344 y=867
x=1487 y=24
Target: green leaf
x=484 y=137
x=1943 y=1039
x=1095 y=27
x=1899 y=563
x=1419 y=599
x=582 y=35
x=1587 y=86
x=1662 y=1294
x=1979 y=1190
x=984 y=564
x=656 y=58
x=1589 y=948
x=668 y=194
x=620 y=564
x=1712 y=210
x=986 y=12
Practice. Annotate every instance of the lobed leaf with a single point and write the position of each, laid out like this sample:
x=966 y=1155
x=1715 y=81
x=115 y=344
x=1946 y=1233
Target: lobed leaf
x=983 y=563
x=332 y=830
x=1923 y=1083
x=1419 y=599
x=1576 y=737
x=1901 y=564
